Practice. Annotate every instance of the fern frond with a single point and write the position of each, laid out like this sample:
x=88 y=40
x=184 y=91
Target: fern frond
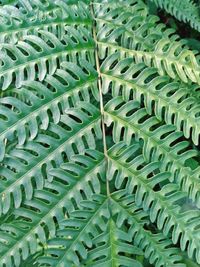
x=34 y=57
x=183 y=10
x=170 y=101
x=77 y=131
x=103 y=7
x=22 y=119
x=164 y=254
x=97 y=100
x=71 y=242
x=127 y=168
x=160 y=142
x=146 y=42
x=128 y=30
x=34 y=6
x=117 y=249
x=32 y=260
x=37 y=219
x=158 y=137
x=15 y=25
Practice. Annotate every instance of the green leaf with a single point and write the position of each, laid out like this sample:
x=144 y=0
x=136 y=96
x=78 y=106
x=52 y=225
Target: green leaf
x=116 y=249
x=36 y=220
x=76 y=233
x=76 y=131
x=99 y=134
x=16 y=25
x=157 y=248
x=38 y=56
x=63 y=90
x=184 y=10
x=138 y=36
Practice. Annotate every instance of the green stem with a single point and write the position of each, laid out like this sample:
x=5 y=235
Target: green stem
x=100 y=92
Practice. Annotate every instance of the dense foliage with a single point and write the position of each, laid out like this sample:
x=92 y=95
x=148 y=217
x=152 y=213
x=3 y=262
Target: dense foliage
x=99 y=134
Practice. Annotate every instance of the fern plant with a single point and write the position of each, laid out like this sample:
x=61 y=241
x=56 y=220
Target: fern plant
x=99 y=136
x=187 y=11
